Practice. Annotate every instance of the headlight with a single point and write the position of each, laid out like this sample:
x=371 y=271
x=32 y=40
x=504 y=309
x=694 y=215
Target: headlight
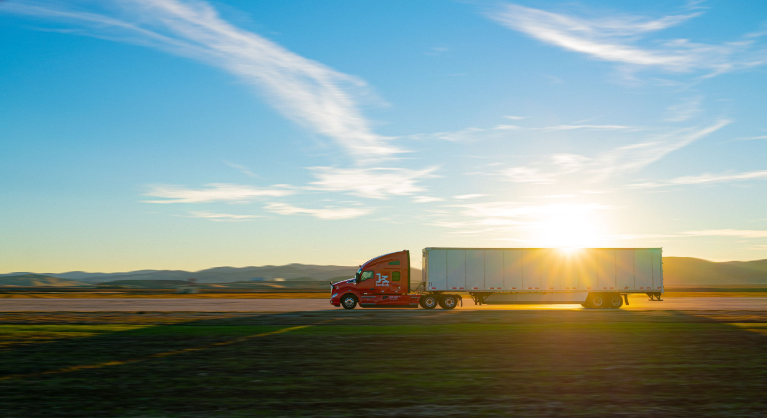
x=334 y=295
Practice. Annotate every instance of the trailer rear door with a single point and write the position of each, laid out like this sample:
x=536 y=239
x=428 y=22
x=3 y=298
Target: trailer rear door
x=643 y=269
x=657 y=269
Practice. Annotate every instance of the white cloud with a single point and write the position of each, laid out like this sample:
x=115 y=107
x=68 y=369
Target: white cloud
x=586 y=127
x=526 y=174
x=616 y=39
x=328 y=213
x=500 y=210
x=374 y=183
x=563 y=163
x=216 y=192
x=222 y=217
x=635 y=156
x=741 y=233
x=503 y=127
x=496 y=217
x=684 y=110
x=303 y=90
x=427 y=199
x=626 y=158
x=455 y=136
x=474 y=133
x=242 y=169
x=468 y=196
x=752 y=138
x=704 y=179
x=515 y=117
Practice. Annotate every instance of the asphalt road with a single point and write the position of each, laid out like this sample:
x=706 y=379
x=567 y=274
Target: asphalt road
x=288 y=305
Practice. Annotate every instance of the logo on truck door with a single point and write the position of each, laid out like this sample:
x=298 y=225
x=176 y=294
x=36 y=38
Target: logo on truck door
x=382 y=280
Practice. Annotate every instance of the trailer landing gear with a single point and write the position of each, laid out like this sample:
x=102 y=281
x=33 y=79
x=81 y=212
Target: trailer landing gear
x=655 y=296
x=479 y=298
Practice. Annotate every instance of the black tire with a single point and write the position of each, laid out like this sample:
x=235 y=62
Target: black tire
x=428 y=301
x=448 y=302
x=348 y=301
x=596 y=301
x=615 y=301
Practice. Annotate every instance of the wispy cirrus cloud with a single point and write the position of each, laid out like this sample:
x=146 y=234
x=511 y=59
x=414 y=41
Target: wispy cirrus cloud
x=474 y=133
x=374 y=183
x=635 y=156
x=752 y=138
x=704 y=179
x=519 y=219
x=305 y=91
x=740 y=233
x=510 y=210
x=215 y=192
x=621 y=159
x=221 y=217
x=684 y=110
x=327 y=213
x=427 y=199
x=618 y=38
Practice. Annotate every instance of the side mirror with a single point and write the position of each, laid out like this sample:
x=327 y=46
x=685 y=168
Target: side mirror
x=357 y=277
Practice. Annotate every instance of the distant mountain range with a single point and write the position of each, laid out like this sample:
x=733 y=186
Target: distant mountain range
x=677 y=271
x=34 y=280
x=214 y=275
x=685 y=271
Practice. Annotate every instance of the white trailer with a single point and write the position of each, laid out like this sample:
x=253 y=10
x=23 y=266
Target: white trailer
x=593 y=277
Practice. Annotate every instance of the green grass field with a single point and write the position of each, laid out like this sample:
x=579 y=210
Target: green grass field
x=384 y=363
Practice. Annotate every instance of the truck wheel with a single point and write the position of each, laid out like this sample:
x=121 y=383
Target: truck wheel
x=615 y=301
x=349 y=302
x=596 y=301
x=448 y=302
x=428 y=302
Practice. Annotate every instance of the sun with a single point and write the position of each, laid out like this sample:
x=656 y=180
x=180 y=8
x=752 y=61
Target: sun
x=565 y=231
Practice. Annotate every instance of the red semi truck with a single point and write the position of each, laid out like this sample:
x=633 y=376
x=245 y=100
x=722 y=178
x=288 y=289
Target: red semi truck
x=596 y=278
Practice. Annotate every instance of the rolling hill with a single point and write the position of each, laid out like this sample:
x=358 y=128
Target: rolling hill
x=678 y=271
x=223 y=274
x=686 y=271
x=37 y=280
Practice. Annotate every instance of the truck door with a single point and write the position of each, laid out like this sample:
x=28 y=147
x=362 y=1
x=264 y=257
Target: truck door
x=367 y=283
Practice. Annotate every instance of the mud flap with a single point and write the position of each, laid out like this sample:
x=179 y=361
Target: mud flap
x=626 y=298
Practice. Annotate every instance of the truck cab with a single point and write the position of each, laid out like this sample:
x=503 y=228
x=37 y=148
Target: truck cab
x=383 y=281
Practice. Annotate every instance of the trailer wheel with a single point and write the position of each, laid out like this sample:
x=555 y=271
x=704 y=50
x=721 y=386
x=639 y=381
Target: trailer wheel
x=448 y=302
x=428 y=302
x=349 y=302
x=596 y=301
x=615 y=301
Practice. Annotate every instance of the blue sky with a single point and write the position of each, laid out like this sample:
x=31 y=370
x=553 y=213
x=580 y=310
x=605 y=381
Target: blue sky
x=173 y=134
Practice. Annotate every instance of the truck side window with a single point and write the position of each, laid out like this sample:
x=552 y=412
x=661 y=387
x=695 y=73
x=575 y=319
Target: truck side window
x=366 y=275
x=395 y=276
